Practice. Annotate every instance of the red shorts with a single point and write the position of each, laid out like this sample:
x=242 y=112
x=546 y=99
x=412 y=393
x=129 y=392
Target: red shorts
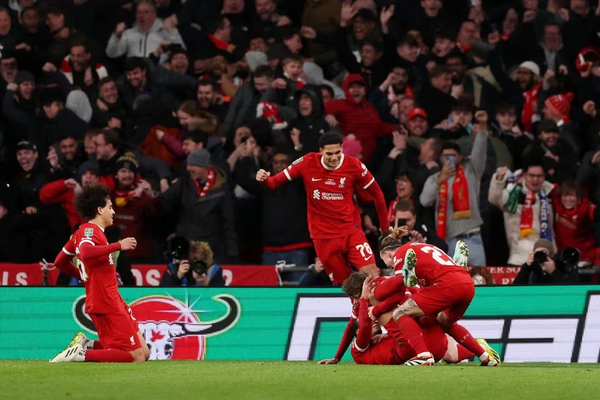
x=338 y=254
x=452 y=298
x=117 y=330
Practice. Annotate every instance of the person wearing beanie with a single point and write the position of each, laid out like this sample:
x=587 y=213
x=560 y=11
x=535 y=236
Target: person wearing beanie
x=19 y=105
x=558 y=107
x=551 y=271
x=135 y=207
x=559 y=158
x=200 y=206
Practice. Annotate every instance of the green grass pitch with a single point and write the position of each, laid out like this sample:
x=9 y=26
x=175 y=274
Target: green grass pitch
x=174 y=380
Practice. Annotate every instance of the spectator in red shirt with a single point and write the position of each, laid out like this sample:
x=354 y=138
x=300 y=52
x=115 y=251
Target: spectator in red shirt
x=135 y=207
x=357 y=116
x=574 y=220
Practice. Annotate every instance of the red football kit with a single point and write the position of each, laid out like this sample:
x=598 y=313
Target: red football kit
x=333 y=219
x=446 y=286
x=116 y=326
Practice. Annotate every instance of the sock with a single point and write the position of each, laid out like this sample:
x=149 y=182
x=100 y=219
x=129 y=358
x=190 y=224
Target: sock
x=463 y=336
x=112 y=355
x=389 y=287
x=464 y=354
x=96 y=345
x=410 y=332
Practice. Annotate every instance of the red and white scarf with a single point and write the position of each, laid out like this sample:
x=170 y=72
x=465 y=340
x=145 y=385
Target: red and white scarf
x=208 y=185
x=460 y=201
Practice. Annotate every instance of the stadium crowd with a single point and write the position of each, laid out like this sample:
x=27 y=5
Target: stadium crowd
x=472 y=115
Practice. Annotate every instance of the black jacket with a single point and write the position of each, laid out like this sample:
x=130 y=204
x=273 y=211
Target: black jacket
x=556 y=172
x=529 y=275
x=437 y=104
x=53 y=130
x=170 y=278
x=209 y=219
x=313 y=126
x=284 y=218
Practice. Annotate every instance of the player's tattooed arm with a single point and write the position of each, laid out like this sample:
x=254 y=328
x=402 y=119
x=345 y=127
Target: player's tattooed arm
x=406 y=308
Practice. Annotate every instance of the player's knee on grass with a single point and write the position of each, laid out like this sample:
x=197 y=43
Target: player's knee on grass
x=138 y=355
x=408 y=308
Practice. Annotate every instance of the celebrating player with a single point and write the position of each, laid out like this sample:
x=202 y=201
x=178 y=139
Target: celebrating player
x=331 y=179
x=120 y=339
x=448 y=288
x=368 y=348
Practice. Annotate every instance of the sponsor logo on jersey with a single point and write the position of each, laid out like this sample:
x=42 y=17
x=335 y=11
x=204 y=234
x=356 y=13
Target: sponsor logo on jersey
x=316 y=179
x=330 y=182
x=332 y=196
x=365 y=170
x=88 y=232
x=172 y=329
x=298 y=160
x=316 y=195
x=342 y=182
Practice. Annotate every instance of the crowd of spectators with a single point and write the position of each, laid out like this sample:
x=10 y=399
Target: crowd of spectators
x=472 y=115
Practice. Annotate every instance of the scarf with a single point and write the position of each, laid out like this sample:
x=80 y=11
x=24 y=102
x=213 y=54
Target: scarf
x=221 y=44
x=299 y=82
x=460 y=201
x=529 y=108
x=208 y=185
x=527 y=217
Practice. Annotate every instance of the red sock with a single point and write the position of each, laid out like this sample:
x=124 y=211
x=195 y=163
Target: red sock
x=389 y=287
x=464 y=354
x=98 y=345
x=112 y=355
x=463 y=336
x=410 y=332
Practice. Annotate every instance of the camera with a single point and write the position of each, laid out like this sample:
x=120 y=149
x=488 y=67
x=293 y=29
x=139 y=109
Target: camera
x=566 y=261
x=198 y=266
x=178 y=249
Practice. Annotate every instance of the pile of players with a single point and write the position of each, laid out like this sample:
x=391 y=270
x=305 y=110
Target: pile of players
x=418 y=308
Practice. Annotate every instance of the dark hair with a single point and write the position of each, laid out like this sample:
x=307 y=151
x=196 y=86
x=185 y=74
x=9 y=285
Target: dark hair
x=264 y=71
x=328 y=88
x=293 y=58
x=450 y=145
x=438 y=71
x=92 y=198
x=533 y=162
x=288 y=32
x=104 y=81
x=505 y=108
x=405 y=205
x=570 y=187
x=111 y=137
x=134 y=62
x=208 y=82
x=437 y=146
x=197 y=136
x=80 y=41
x=551 y=23
x=215 y=23
x=376 y=44
x=49 y=96
x=352 y=286
x=457 y=54
x=462 y=105
x=409 y=40
x=330 y=138
x=55 y=9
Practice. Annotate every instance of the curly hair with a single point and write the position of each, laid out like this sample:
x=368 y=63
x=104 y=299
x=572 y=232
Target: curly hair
x=353 y=285
x=204 y=248
x=93 y=197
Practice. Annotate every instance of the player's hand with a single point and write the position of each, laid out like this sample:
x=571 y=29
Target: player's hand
x=184 y=267
x=71 y=183
x=328 y=361
x=262 y=175
x=128 y=244
x=366 y=288
x=378 y=338
x=371 y=315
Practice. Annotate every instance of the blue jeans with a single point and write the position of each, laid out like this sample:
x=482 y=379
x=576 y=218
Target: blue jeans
x=298 y=257
x=476 y=251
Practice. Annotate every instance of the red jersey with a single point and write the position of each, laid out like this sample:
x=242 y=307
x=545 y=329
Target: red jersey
x=98 y=273
x=433 y=265
x=329 y=193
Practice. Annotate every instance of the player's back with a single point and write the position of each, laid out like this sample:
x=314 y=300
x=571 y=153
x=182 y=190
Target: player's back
x=98 y=274
x=433 y=265
x=331 y=209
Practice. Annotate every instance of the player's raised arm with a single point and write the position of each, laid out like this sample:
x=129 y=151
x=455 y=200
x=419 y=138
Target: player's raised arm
x=293 y=171
x=363 y=337
x=64 y=260
x=368 y=184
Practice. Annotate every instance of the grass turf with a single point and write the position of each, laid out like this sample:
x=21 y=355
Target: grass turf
x=293 y=380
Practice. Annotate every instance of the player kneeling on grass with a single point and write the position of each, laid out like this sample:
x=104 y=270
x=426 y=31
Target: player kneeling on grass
x=447 y=290
x=371 y=347
x=119 y=337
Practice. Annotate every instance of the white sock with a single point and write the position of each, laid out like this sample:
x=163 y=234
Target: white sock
x=484 y=356
x=428 y=354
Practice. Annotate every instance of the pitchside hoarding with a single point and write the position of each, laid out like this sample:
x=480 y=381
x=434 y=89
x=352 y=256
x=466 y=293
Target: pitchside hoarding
x=525 y=324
